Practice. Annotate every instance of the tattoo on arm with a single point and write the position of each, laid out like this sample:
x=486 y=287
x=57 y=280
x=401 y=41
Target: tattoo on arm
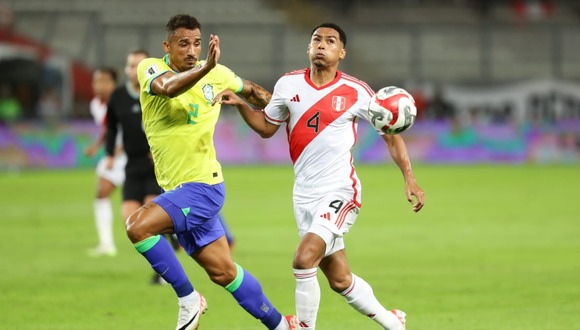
x=256 y=94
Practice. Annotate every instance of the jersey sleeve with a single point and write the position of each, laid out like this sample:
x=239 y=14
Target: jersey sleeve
x=276 y=111
x=232 y=81
x=362 y=106
x=148 y=70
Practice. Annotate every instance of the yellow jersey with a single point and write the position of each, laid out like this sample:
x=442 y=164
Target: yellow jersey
x=180 y=130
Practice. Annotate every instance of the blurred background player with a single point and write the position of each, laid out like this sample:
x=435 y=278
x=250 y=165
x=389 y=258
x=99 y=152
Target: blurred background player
x=124 y=117
x=321 y=107
x=109 y=176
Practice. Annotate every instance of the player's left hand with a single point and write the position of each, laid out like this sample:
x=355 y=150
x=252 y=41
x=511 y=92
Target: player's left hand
x=412 y=189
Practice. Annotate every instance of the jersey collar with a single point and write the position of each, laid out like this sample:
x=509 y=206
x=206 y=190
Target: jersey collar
x=334 y=81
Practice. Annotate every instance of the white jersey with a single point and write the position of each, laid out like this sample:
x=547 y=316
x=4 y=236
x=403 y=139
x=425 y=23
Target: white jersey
x=98 y=111
x=321 y=126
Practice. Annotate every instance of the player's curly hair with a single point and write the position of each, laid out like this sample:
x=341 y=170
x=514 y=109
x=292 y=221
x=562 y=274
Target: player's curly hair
x=341 y=33
x=181 y=21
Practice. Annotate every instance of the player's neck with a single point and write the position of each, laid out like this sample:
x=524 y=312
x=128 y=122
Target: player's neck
x=321 y=76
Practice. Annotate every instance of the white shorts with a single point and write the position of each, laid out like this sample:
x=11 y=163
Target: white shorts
x=330 y=218
x=116 y=174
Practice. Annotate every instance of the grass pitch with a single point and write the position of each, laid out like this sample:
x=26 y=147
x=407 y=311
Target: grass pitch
x=494 y=248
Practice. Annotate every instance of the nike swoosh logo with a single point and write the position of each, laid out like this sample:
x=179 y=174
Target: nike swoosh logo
x=190 y=321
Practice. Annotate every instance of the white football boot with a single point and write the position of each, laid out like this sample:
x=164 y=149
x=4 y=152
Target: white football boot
x=189 y=315
x=401 y=316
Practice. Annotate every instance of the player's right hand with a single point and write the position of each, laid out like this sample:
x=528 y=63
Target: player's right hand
x=91 y=150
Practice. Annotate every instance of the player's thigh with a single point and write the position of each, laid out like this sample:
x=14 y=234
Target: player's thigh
x=330 y=218
x=310 y=250
x=149 y=220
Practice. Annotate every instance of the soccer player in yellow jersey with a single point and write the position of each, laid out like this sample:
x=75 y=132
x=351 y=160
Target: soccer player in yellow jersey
x=179 y=120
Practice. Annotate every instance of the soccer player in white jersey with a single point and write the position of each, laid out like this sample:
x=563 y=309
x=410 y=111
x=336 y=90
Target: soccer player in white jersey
x=111 y=175
x=321 y=107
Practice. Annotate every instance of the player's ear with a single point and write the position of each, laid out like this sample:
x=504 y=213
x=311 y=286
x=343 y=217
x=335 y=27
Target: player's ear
x=166 y=46
x=342 y=55
x=308 y=49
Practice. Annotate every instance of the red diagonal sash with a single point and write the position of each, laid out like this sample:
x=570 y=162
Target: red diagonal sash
x=319 y=116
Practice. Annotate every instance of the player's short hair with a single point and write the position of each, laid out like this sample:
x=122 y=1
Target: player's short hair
x=181 y=21
x=110 y=71
x=341 y=33
x=138 y=51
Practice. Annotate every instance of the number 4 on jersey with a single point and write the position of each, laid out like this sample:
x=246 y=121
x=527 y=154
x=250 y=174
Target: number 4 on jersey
x=314 y=121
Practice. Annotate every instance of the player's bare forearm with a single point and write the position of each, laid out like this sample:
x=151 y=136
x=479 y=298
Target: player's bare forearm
x=256 y=119
x=399 y=154
x=172 y=85
x=255 y=94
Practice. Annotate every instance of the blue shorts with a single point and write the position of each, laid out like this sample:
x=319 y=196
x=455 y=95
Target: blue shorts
x=194 y=209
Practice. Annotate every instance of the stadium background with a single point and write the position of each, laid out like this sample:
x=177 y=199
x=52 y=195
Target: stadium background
x=497 y=83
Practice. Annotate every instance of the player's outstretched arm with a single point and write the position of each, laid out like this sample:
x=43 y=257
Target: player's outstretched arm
x=398 y=152
x=255 y=94
x=173 y=84
x=256 y=119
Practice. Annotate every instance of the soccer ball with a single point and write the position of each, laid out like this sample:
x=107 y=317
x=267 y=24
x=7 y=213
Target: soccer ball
x=392 y=110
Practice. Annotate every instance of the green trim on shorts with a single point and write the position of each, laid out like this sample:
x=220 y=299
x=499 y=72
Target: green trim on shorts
x=237 y=281
x=146 y=244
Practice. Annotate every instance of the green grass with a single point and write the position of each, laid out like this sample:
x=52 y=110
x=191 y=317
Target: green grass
x=494 y=248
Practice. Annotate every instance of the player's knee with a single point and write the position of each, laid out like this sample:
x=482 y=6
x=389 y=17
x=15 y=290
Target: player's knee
x=102 y=193
x=135 y=228
x=222 y=277
x=304 y=259
x=339 y=283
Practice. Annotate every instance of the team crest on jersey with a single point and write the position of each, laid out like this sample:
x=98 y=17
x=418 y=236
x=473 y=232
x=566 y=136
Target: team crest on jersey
x=207 y=92
x=338 y=103
x=151 y=70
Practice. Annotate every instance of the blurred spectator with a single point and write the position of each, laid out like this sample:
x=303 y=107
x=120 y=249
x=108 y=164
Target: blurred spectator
x=438 y=108
x=49 y=105
x=6 y=17
x=9 y=106
x=532 y=9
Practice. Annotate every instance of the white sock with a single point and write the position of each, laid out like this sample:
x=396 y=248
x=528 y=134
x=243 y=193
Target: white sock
x=104 y=222
x=307 y=297
x=190 y=299
x=283 y=325
x=360 y=296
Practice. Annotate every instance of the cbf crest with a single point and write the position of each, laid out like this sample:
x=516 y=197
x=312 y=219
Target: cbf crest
x=208 y=92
